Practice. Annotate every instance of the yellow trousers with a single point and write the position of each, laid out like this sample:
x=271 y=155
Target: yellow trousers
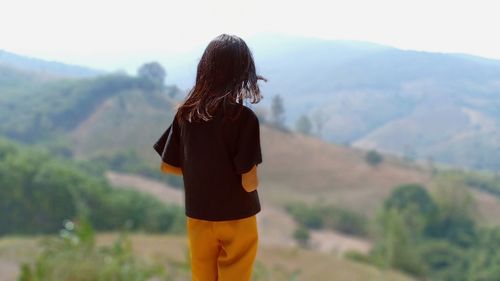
x=222 y=250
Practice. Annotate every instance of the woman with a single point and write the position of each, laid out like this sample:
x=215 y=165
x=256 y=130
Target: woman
x=214 y=143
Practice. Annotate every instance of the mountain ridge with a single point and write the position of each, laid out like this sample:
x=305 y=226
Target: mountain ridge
x=51 y=68
x=367 y=94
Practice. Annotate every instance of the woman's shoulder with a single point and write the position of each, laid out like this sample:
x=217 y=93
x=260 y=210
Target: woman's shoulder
x=248 y=111
x=242 y=111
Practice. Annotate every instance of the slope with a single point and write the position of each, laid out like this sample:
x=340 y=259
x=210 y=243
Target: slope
x=367 y=94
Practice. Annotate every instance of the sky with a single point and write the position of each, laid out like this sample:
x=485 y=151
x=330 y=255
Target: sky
x=106 y=33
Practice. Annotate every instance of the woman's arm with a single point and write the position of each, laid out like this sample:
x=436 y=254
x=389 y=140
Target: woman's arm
x=169 y=169
x=249 y=180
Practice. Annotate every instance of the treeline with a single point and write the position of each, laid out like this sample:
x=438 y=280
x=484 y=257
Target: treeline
x=483 y=181
x=38 y=192
x=325 y=216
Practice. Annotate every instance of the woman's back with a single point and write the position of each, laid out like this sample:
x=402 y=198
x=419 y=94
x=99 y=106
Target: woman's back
x=215 y=153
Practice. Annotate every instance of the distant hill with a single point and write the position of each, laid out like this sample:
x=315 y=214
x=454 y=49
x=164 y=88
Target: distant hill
x=114 y=114
x=423 y=105
x=38 y=111
x=44 y=67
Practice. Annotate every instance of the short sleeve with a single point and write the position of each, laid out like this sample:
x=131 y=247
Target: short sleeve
x=168 y=145
x=248 y=151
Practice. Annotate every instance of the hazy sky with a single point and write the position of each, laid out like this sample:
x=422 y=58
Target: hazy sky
x=101 y=33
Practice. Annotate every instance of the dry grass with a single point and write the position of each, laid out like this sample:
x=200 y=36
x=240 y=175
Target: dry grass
x=274 y=263
x=297 y=167
x=13 y=252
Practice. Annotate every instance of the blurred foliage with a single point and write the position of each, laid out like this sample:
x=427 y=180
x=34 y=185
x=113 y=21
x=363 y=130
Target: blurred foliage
x=58 y=106
x=73 y=256
x=38 y=191
x=303 y=125
x=278 y=114
x=373 y=158
x=323 y=216
x=152 y=74
x=302 y=236
x=434 y=237
x=33 y=111
x=129 y=161
x=483 y=181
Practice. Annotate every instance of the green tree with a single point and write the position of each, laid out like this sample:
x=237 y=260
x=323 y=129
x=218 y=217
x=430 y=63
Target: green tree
x=320 y=118
x=408 y=195
x=278 y=112
x=397 y=246
x=455 y=219
x=305 y=215
x=38 y=191
x=302 y=236
x=484 y=259
x=373 y=158
x=324 y=216
x=152 y=72
x=303 y=125
x=445 y=261
x=401 y=225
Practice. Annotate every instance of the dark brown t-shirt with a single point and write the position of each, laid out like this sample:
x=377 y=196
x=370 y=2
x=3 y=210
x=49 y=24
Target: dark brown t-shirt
x=213 y=154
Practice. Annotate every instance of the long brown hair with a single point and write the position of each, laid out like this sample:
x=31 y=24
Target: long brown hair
x=225 y=73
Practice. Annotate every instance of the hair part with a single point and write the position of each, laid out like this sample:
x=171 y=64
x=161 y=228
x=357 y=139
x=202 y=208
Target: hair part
x=225 y=73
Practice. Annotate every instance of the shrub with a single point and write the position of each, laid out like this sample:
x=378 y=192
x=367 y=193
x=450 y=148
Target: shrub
x=38 y=191
x=373 y=158
x=328 y=217
x=302 y=236
x=73 y=256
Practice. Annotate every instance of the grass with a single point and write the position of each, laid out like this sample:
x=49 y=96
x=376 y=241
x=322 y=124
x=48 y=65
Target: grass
x=274 y=263
x=307 y=169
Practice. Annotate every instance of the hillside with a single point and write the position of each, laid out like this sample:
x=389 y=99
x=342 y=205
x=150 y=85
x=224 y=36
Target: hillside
x=117 y=118
x=55 y=108
x=112 y=121
x=413 y=104
x=306 y=169
x=410 y=103
x=319 y=171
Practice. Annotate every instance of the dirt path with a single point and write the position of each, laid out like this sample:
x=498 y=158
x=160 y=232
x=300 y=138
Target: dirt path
x=338 y=243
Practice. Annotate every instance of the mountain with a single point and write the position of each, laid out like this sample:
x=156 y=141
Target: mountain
x=108 y=116
x=111 y=115
x=423 y=105
x=44 y=67
x=116 y=118
x=35 y=111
